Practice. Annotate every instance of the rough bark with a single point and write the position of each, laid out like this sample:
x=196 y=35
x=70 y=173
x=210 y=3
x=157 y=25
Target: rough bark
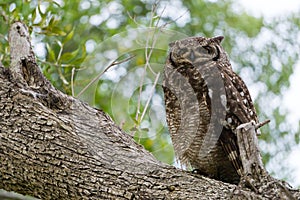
x=53 y=146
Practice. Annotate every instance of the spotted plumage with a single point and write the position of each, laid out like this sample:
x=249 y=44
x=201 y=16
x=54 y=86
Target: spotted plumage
x=205 y=102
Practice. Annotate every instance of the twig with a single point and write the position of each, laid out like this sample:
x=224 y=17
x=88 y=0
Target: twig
x=147 y=65
x=154 y=36
x=105 y=70
x=144 y=72
x=60 y=74
x=180 y=16
x=133 y=19
x=261 y=124
x=72 y=80
x=149 y=47
x=150 y=97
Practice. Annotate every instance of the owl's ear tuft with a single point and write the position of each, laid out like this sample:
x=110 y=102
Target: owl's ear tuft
x=218 y=39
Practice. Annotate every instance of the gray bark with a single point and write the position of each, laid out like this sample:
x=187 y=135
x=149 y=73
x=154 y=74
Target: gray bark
x=53 y=146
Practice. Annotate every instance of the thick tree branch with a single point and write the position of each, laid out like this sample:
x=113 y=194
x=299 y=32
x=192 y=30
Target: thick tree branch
x=56 y=147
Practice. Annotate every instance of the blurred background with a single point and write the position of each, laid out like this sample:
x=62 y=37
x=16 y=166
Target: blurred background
x=111 y=54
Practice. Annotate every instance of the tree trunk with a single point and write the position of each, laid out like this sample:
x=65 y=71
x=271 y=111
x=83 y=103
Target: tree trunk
x=53 y=146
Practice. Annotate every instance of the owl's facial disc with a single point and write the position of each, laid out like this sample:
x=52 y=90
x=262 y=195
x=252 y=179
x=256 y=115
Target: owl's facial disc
x=192 y=53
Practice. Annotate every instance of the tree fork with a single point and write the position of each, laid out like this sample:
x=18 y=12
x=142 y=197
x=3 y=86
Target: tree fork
x=53 y=146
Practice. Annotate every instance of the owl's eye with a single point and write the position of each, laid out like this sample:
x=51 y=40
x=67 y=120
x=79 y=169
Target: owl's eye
x=209 y=49
x=213 y=51
x=182 y=51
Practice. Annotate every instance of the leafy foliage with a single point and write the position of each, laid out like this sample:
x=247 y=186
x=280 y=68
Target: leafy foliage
x=75 y=41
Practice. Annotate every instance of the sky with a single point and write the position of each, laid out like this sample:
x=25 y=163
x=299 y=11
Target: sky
x=270 y=9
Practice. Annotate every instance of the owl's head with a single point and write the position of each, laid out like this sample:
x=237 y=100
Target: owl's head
x=196 y=50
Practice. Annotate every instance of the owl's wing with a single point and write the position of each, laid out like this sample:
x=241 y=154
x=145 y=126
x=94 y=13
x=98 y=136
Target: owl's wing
x=240 y=109
x=239 y=102
x=229 y=145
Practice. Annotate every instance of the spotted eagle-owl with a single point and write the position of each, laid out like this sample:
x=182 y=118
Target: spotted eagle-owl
x=205 y=102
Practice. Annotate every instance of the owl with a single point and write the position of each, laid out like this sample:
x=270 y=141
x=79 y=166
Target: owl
x=205 y=102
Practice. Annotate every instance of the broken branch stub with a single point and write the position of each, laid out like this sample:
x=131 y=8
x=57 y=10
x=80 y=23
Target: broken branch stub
x=20 y=48
x=248 y=146
x=23 y=67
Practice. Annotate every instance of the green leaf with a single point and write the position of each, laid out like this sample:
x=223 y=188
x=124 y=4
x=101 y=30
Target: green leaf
x=297 y=135
x=57 y=31
x=34 y=11
x=78 y=61
x=51 y=53
x=68 y=37
x=134 y=129
x=43 y=15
